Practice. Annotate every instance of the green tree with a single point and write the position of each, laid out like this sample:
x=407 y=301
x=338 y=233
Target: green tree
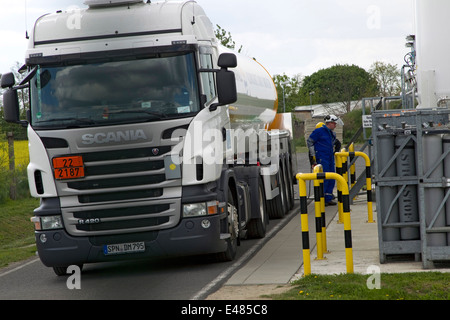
x=19 y=131
x=225 y=38
x=291 y=88
x=339 y=83
x=388 y=77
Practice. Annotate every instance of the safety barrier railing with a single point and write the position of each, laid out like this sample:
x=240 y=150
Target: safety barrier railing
x=351 y=149
x=320 y=221
x=302 y=177
x=341 y=168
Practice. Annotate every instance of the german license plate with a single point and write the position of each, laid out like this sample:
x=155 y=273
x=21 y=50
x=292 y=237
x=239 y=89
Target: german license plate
x=122 y=248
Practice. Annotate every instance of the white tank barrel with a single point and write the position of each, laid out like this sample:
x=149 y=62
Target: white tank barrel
x=257 y=95
x=433 y=63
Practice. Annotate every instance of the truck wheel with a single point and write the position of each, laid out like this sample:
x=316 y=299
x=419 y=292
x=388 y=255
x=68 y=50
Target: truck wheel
x=232 y=221
x=289 y=186
x=257 y=227
x=283 y=190
x=278 y=205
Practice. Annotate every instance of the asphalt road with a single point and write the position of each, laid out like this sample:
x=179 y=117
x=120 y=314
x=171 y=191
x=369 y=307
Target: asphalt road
x=164 y=279
x=191 y=278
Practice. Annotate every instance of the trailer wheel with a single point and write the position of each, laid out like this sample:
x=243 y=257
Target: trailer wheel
x=289 y=186
x=278 y=205
x=232 y=221
x=284 y=193
x=257 y=227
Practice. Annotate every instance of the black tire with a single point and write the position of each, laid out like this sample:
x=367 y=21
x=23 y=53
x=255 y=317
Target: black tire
x=232 y=221
x=278 y=205
x=257 y=227
x=289 y=186
x=284 y=190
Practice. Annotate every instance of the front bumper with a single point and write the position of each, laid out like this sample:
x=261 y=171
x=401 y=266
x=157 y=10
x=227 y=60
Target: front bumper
x=188 y=238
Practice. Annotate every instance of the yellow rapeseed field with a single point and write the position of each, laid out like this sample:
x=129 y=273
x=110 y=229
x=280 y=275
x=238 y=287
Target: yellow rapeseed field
x=20 y=152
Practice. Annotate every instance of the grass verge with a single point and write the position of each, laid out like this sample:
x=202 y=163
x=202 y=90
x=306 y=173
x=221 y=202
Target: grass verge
x=16 y=231
x=398 y=286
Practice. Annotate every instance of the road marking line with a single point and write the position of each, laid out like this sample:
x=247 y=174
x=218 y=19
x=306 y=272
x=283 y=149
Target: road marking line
x=19 y=267
x=205 y=290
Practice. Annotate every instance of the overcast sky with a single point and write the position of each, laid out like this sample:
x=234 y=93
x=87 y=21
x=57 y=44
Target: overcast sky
x=286 y=36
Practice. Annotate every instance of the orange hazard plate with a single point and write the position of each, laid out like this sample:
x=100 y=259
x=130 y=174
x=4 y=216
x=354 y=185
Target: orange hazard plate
x=68 y=167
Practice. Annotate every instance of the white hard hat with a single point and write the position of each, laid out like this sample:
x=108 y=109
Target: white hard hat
x=333 y=118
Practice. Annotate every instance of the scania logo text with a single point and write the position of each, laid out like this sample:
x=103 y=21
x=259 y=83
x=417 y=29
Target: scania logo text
x=113 y=137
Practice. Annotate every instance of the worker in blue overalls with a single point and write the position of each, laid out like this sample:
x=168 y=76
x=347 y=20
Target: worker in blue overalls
x=322 y=144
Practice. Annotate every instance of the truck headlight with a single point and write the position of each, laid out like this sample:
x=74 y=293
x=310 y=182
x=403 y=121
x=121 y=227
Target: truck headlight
x=47 y=222
x=194 y=210
x=200 y=209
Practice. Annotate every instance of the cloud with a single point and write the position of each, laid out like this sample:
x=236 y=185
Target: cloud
x=295 y=55
x=292 y=36
x=301 y=36
x=13 y=49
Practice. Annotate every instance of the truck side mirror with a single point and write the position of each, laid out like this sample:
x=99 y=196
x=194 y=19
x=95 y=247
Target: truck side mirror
x=226 y=87
x=8 y=80
x=11 y=106
x=227 y=60
x=10 y=99
x=226 y=81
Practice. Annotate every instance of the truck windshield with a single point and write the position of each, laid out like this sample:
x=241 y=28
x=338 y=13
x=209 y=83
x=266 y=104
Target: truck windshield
x=115 y=92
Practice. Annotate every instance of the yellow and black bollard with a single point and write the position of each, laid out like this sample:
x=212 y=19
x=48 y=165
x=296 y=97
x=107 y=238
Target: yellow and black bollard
x=318 y=213
x=324 y=222
x=301 y=177
x=351 y=149
x=339 y=171
x=304 y=224
x=339 y=155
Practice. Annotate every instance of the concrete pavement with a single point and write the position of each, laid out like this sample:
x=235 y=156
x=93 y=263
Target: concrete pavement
x=280 y=261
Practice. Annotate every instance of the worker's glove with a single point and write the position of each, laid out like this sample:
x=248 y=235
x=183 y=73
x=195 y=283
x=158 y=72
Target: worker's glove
x=337 y=146
x=312 y=161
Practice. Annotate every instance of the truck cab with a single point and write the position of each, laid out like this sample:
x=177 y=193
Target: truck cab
x=130 y=134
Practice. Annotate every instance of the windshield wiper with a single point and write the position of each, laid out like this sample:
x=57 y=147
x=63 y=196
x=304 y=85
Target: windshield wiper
x=80 y=120
x=155 y=114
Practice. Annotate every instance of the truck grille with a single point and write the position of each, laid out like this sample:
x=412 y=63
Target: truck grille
x=122 y=218
x=119 y=196
x=127 y=186
x=117 y=182
x=117 y=225
x=121 y=192
x=115 y=175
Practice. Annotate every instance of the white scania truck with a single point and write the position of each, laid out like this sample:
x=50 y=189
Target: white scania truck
x=142 y=142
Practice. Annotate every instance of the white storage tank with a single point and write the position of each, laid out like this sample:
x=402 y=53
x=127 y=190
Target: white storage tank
x=432 y=46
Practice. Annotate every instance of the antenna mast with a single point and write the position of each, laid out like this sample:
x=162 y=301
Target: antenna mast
x=26 y=20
